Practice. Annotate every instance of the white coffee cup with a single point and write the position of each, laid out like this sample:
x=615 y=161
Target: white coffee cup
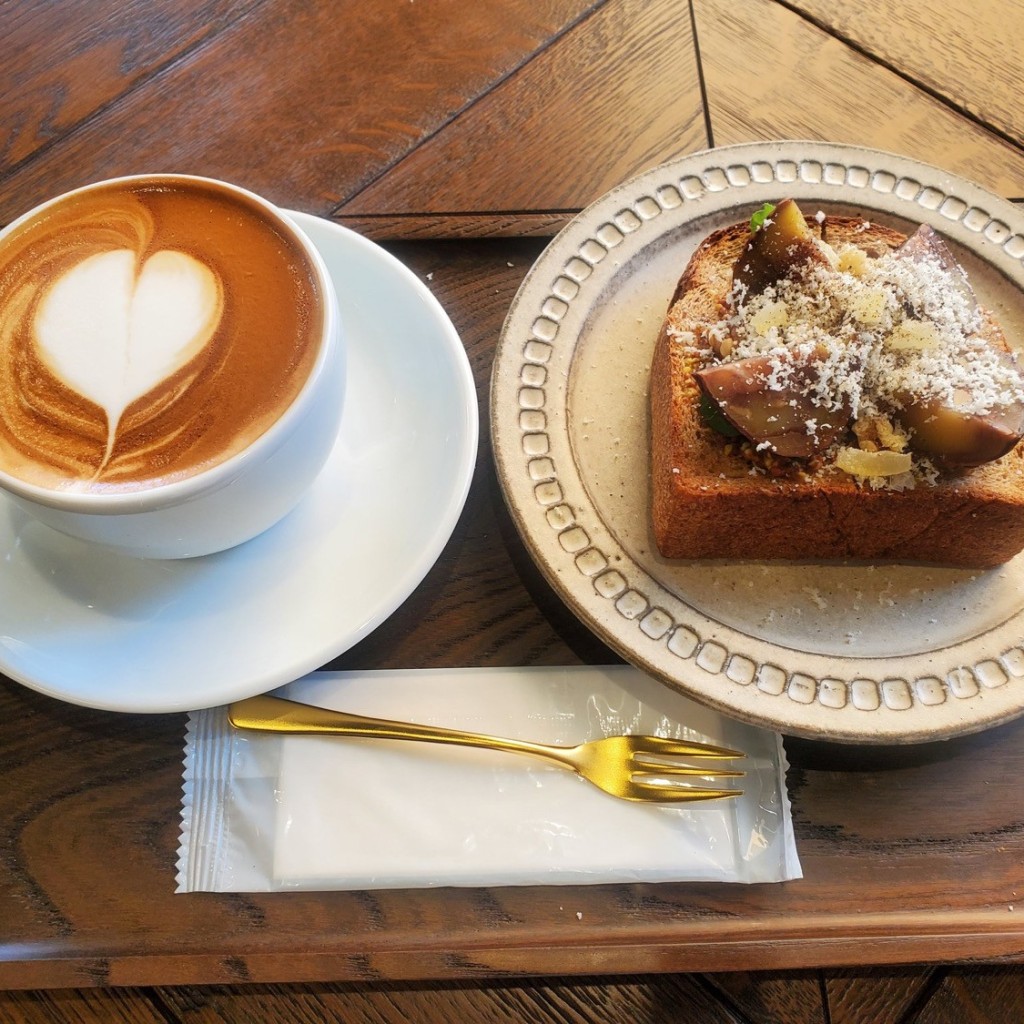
x=233 y=500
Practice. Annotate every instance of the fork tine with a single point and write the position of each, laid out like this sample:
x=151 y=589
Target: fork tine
x=647 y=767
x=653 y=793
x=687 y=748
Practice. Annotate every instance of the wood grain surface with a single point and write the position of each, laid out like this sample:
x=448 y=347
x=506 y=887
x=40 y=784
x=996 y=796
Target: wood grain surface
x=772 y=74
x=578 y=128
x=985 y=995
x=302 y=101
x=467 y=134
x=967 y=56
x=88 y=815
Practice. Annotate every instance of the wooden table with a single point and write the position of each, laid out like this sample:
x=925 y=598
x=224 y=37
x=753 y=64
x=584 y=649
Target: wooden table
x=462 y=136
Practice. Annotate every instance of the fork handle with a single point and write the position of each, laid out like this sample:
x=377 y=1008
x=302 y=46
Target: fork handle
x=276 y=714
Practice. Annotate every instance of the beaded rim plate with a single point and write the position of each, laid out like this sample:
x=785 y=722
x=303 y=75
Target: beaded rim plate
x=848 y=652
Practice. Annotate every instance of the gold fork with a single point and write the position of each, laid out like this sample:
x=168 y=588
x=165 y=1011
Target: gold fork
x=630 y=767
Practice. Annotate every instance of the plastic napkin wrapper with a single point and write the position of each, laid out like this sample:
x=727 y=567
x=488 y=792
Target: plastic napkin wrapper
x=265 y=812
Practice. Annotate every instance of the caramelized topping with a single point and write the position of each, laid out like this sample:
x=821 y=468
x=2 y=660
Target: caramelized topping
x=776 y=250
x=823 y=347
x=784 y=417
x=962 y=439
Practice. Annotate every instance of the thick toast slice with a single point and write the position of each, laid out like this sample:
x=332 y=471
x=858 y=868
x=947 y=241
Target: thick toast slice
x=708 y=502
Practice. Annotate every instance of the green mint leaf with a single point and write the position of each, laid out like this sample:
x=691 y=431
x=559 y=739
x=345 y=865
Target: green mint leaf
x=760 y=216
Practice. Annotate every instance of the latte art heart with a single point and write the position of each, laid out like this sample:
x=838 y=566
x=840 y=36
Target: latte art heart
x=150 y=329
x=112 y=330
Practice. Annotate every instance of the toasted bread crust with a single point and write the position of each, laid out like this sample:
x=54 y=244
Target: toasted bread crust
x=706 y=503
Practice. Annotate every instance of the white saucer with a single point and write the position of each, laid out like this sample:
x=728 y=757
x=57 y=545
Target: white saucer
x=124 y=634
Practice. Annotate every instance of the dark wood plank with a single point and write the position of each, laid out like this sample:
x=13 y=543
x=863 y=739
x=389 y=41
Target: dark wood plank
x=511 y=224
x=80 y=1006
x=300 y=101
x=771 y=74
x=879 y=996
x=615 y=95
x=977 y=996
x=653 y=1000
x=769 y=997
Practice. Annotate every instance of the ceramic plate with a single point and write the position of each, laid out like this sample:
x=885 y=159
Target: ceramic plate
x=125 y=634
x=862 y=653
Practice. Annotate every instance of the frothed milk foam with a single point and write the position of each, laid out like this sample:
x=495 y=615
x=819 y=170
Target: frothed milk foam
x=148 y=330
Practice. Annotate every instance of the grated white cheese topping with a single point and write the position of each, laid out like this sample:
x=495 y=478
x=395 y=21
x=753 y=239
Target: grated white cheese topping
x=892 y=329
x=887 y=330
x=852 y=319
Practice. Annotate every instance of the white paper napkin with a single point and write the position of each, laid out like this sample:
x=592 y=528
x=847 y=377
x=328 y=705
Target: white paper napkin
x=354 y=814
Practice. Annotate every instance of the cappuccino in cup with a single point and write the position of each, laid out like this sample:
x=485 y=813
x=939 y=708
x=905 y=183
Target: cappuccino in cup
x=164 y=339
